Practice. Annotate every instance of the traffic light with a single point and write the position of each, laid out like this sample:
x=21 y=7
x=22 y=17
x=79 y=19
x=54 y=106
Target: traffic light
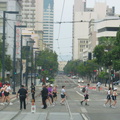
x=89 y=55
x=112 y=73
x=15 y=72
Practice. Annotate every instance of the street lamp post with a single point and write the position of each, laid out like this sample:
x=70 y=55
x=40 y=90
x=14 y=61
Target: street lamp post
x=35 y=66
x=27 y=63
x=3 y=46
x=21 y=66
x=14 y=57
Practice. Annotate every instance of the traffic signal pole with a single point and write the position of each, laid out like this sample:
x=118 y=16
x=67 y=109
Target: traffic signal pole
x=14 y=56
x=3 y=47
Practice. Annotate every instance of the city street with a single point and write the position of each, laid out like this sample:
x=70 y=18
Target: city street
x=72 y=110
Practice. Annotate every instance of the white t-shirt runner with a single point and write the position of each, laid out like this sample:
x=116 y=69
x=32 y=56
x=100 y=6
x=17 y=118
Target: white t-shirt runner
x=63 y=92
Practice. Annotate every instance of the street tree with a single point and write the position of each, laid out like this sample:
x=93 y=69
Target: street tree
x=47 y=59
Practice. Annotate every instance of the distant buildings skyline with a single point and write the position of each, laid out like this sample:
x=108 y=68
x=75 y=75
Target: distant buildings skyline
x=84 y=40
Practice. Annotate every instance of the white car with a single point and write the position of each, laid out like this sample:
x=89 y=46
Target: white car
x=80 y=81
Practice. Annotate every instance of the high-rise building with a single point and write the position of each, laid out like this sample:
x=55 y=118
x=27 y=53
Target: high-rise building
x=48 y=19
x=81 y=31
x=28 y=13
x=11 y=20
x=39 y=15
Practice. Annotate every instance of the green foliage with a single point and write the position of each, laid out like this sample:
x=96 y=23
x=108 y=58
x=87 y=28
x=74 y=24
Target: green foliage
x=8 y=62
x=47 y=59
x=112 y=56
x=51 y=80
x=81 y=68
x=99 y=53
x=103 y=75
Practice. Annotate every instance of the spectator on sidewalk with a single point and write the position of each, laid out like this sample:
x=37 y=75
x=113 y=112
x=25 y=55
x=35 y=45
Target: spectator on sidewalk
x=22 y=92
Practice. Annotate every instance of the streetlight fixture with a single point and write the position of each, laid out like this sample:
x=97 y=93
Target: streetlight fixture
x=3 y=47
x=14 y=55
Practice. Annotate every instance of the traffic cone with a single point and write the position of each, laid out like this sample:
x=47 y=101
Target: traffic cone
x=33 y=106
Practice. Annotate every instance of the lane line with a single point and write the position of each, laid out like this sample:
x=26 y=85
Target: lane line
x=85 y=118
x=70 y=113
x=80 y=94
x=83 y=110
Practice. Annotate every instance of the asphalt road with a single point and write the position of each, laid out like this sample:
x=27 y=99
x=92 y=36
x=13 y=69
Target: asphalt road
x=72 y=110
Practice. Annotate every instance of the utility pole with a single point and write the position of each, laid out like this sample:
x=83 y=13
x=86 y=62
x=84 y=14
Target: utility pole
x=3 y=46
x=14 y=57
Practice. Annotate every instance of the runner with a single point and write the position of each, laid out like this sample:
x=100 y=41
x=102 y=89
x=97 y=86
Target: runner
x=86 y=95
x=50 y=95
x=114 y=97
x=55 y=94
x=109 y=94
x=7 y=93
x=98 y=85
x=63 y=95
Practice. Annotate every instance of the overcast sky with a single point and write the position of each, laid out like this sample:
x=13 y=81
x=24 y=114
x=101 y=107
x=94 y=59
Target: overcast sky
x=63 y=32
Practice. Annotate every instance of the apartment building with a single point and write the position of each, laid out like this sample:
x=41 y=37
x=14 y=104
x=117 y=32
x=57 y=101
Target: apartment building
x=11 y=20
x=81 y=31
x=39 y=15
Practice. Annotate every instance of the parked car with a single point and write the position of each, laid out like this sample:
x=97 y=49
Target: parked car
x=80 y=81
x=116 y=82
x=74 y=77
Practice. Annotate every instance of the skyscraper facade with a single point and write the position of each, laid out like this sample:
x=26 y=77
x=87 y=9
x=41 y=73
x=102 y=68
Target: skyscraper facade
x=39 y=15
x=48 y=18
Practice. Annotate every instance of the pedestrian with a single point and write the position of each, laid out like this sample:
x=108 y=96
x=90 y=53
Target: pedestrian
x=55 y=94
x=1 y=84
x=44 y=94
x=33 y=91
x=114 y=97
x=109 y=94
x=7 y=93
x=50 y=94
x=86 y=95
x=63 y=95
x=98 y=85
x=22 y=92
x=3 y=96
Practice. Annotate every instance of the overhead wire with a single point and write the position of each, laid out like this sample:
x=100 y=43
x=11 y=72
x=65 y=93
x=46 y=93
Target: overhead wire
x=59 y=29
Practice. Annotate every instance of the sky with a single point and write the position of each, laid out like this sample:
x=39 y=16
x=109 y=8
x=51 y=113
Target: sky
x=63 y=32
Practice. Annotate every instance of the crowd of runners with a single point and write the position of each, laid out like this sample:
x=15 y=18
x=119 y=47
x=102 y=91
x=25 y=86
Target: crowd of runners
x=49 y=95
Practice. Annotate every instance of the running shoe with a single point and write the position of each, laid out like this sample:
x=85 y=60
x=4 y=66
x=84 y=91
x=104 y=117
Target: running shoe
x=104 y=105
x=81 y=102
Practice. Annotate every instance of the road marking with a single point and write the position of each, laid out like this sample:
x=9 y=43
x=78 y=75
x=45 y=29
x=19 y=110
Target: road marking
x=83 y=110
x=85 y=118
x=70 y=114
x=80 y=94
